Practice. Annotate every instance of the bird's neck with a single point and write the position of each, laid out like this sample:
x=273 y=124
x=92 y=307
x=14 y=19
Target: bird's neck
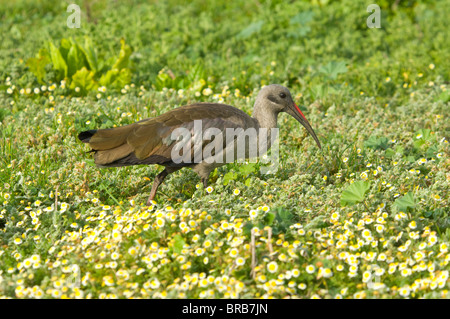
x=264 y=115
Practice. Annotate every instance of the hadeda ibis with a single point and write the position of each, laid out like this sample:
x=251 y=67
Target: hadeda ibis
x=151 y=141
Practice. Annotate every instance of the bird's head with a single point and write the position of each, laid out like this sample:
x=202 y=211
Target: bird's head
x=277 y=98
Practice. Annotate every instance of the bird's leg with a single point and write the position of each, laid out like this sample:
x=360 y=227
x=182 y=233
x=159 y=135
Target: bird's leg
x=158 y=180
x=205 y=181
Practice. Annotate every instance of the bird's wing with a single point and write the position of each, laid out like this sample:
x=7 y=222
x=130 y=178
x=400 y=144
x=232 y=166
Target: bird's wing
x=150 y=141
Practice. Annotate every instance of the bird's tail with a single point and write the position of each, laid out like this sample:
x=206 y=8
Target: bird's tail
x=85 y=136
x=109 y=145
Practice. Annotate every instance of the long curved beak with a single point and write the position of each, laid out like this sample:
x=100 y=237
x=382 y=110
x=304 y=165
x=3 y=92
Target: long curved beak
x=298 y=115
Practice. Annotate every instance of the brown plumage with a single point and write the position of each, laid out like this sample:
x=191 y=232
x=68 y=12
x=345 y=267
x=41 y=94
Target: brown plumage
x=149 y=141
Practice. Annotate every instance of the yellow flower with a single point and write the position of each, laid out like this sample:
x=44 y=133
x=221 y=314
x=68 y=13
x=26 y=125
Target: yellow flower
x=234 y=252
x=108 y=281
x=207 y=92
x=366 y=276
x=272 y=267
x=199 y=251
x=160 y=222
x=240 y=261
x=379 y=228
x=310 y=269
x=335 y=216
x=404 y=292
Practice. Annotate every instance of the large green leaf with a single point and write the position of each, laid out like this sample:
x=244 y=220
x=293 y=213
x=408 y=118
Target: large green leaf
x=247 y=169
x=90 y=53
x=197 y=73
x=377 y=142
x=333 y=68
x=116 y=78
x=318 y=91
x=424 y=134
x=124 y=55
x=229 y=177
x=355 y=193
x=84 y=79
x=302 y=18
x=64 y=48
x=444 y=96
x=405 y=202
x=178 y=244
x=59 y=64
x=254 y=27
x=300 y=21
x=75 y=60
x=37 y=65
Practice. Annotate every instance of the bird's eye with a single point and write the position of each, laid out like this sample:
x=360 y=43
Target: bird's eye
x=282 y=95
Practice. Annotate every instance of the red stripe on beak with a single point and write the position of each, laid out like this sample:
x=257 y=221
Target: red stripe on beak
x=298 y=109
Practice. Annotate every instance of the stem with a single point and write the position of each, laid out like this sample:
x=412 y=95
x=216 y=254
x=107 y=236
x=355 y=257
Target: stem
x=269 y=242
x=253 y=252
x=365 y=204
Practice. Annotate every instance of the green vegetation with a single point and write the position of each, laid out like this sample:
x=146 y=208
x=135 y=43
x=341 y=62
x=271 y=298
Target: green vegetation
x=366 y=217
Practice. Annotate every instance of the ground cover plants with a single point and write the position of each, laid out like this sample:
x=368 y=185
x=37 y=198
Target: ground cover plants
x=365 y=217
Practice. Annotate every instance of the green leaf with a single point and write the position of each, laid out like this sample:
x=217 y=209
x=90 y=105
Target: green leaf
x=178 y=244
x=319 y=91
x=197 y=73
x=64 y=48
x=389 y=152
x=84 y=79
x=317 y=223
x=198 y=85
x=377 y=142
x=254 y=27
x=269 y=218
x=355 y=193
x=247 y=169
x=59 y=64
x=405 y=202
x=444 y=96
x=229 y=177
x=302 y=18
x=333 y=68
x=299 y=32
x=37 y=66
x=124 y=55
x=424 y=135
x=75 y=60
x=116 y=78
x=409 y=158
x=90 y=53
x=248 y=229
x=431 y=151
x=419 y=143
x=285 y=216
